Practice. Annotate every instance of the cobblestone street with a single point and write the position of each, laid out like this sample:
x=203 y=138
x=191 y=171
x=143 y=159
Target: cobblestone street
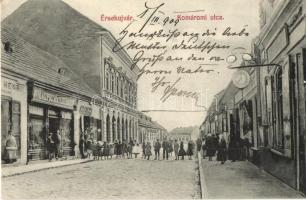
x=127 y=179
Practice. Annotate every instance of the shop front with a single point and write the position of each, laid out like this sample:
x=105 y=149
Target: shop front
x=50 y=113
x=90 y=122
x=13 y=119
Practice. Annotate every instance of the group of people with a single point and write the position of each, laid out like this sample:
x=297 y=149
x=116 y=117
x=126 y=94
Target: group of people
x=54 y=145
x=105 y=150
x=212 y=145
x=168 y=148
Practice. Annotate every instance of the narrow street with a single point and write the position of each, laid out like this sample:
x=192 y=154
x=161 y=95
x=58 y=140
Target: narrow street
x=129 y=179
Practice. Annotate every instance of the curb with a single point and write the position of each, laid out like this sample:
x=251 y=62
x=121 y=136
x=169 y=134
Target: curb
x=46 y=168
x=204 y=191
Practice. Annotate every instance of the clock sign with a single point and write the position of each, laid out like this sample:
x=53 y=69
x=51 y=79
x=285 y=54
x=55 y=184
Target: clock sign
x=241 y=79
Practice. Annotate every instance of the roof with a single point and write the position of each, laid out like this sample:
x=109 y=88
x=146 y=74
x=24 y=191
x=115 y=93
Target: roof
x=34 y=63
x=183 y=130
x=146 y=121
x=57 y=28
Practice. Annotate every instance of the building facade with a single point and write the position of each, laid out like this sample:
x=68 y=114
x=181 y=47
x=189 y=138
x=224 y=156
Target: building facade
x=40 y=95
x=270 y=111
x=70 y=81
x=281 y=90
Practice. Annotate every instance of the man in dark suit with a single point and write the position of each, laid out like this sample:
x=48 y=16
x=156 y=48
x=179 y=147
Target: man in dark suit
x=165 y=146
x=157 y=147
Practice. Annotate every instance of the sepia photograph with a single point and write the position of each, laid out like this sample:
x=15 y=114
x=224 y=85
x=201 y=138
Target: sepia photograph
x=153 y=99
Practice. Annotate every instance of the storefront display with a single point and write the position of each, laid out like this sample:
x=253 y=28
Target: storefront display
x=50 y=114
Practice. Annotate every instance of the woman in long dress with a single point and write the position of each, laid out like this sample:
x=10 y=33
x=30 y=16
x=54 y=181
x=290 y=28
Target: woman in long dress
x=182 y=151
x=190 y=149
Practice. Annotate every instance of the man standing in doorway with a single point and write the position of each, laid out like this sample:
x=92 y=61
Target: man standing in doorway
x=57 y=141
x=157 y=147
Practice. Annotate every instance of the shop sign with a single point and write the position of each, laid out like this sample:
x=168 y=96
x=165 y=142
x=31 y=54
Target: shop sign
x=241 y=79
x=85 y=110
x=43 y=96
x=9 y=86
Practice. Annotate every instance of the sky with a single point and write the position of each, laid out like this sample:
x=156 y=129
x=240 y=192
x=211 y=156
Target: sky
x=236 y=14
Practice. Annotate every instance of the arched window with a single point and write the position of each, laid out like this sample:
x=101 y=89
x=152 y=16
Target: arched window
x=117 y=85
x=112 y=83
x=121 y=88
x=107 y=81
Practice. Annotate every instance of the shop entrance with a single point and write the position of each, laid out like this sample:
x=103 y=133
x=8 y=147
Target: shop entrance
x=53 y=125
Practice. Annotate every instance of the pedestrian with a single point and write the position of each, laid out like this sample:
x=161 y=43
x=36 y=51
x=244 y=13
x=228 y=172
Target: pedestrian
x=136 y=150
x=204 y=148
x=176 y=149
x=119 y=149
x=165 y=146
x=57 y=140
x=144 y=150
x=210 y=145
x=100 y=149
x=111 y=150
x=170 y=147
x=89 y=148
x=10 y=153
x=148 y=150
x=222 y=150
x=82 y=145
x=105 y=150
x=182 y=151
x=116 y=148
x=124 y=149
x=130 y=149
x=50 y=146
x=199 y=144
x=157 y=147
x=94 y=148
x=190 y=149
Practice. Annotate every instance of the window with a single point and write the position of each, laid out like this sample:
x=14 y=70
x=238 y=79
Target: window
x=112 y=83
x=117 y=84
x=278 y=133
x=107 y=81
x=121 y=88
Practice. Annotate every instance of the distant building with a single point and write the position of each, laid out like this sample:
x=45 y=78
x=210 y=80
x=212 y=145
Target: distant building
x=150 y=131
x=183 y=133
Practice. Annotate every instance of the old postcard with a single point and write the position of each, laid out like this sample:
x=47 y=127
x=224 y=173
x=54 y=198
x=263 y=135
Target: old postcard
x=154 y=99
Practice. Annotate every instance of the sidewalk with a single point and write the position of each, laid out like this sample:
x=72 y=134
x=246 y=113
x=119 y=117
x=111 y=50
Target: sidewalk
x=37 y=166
x=241 y=180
